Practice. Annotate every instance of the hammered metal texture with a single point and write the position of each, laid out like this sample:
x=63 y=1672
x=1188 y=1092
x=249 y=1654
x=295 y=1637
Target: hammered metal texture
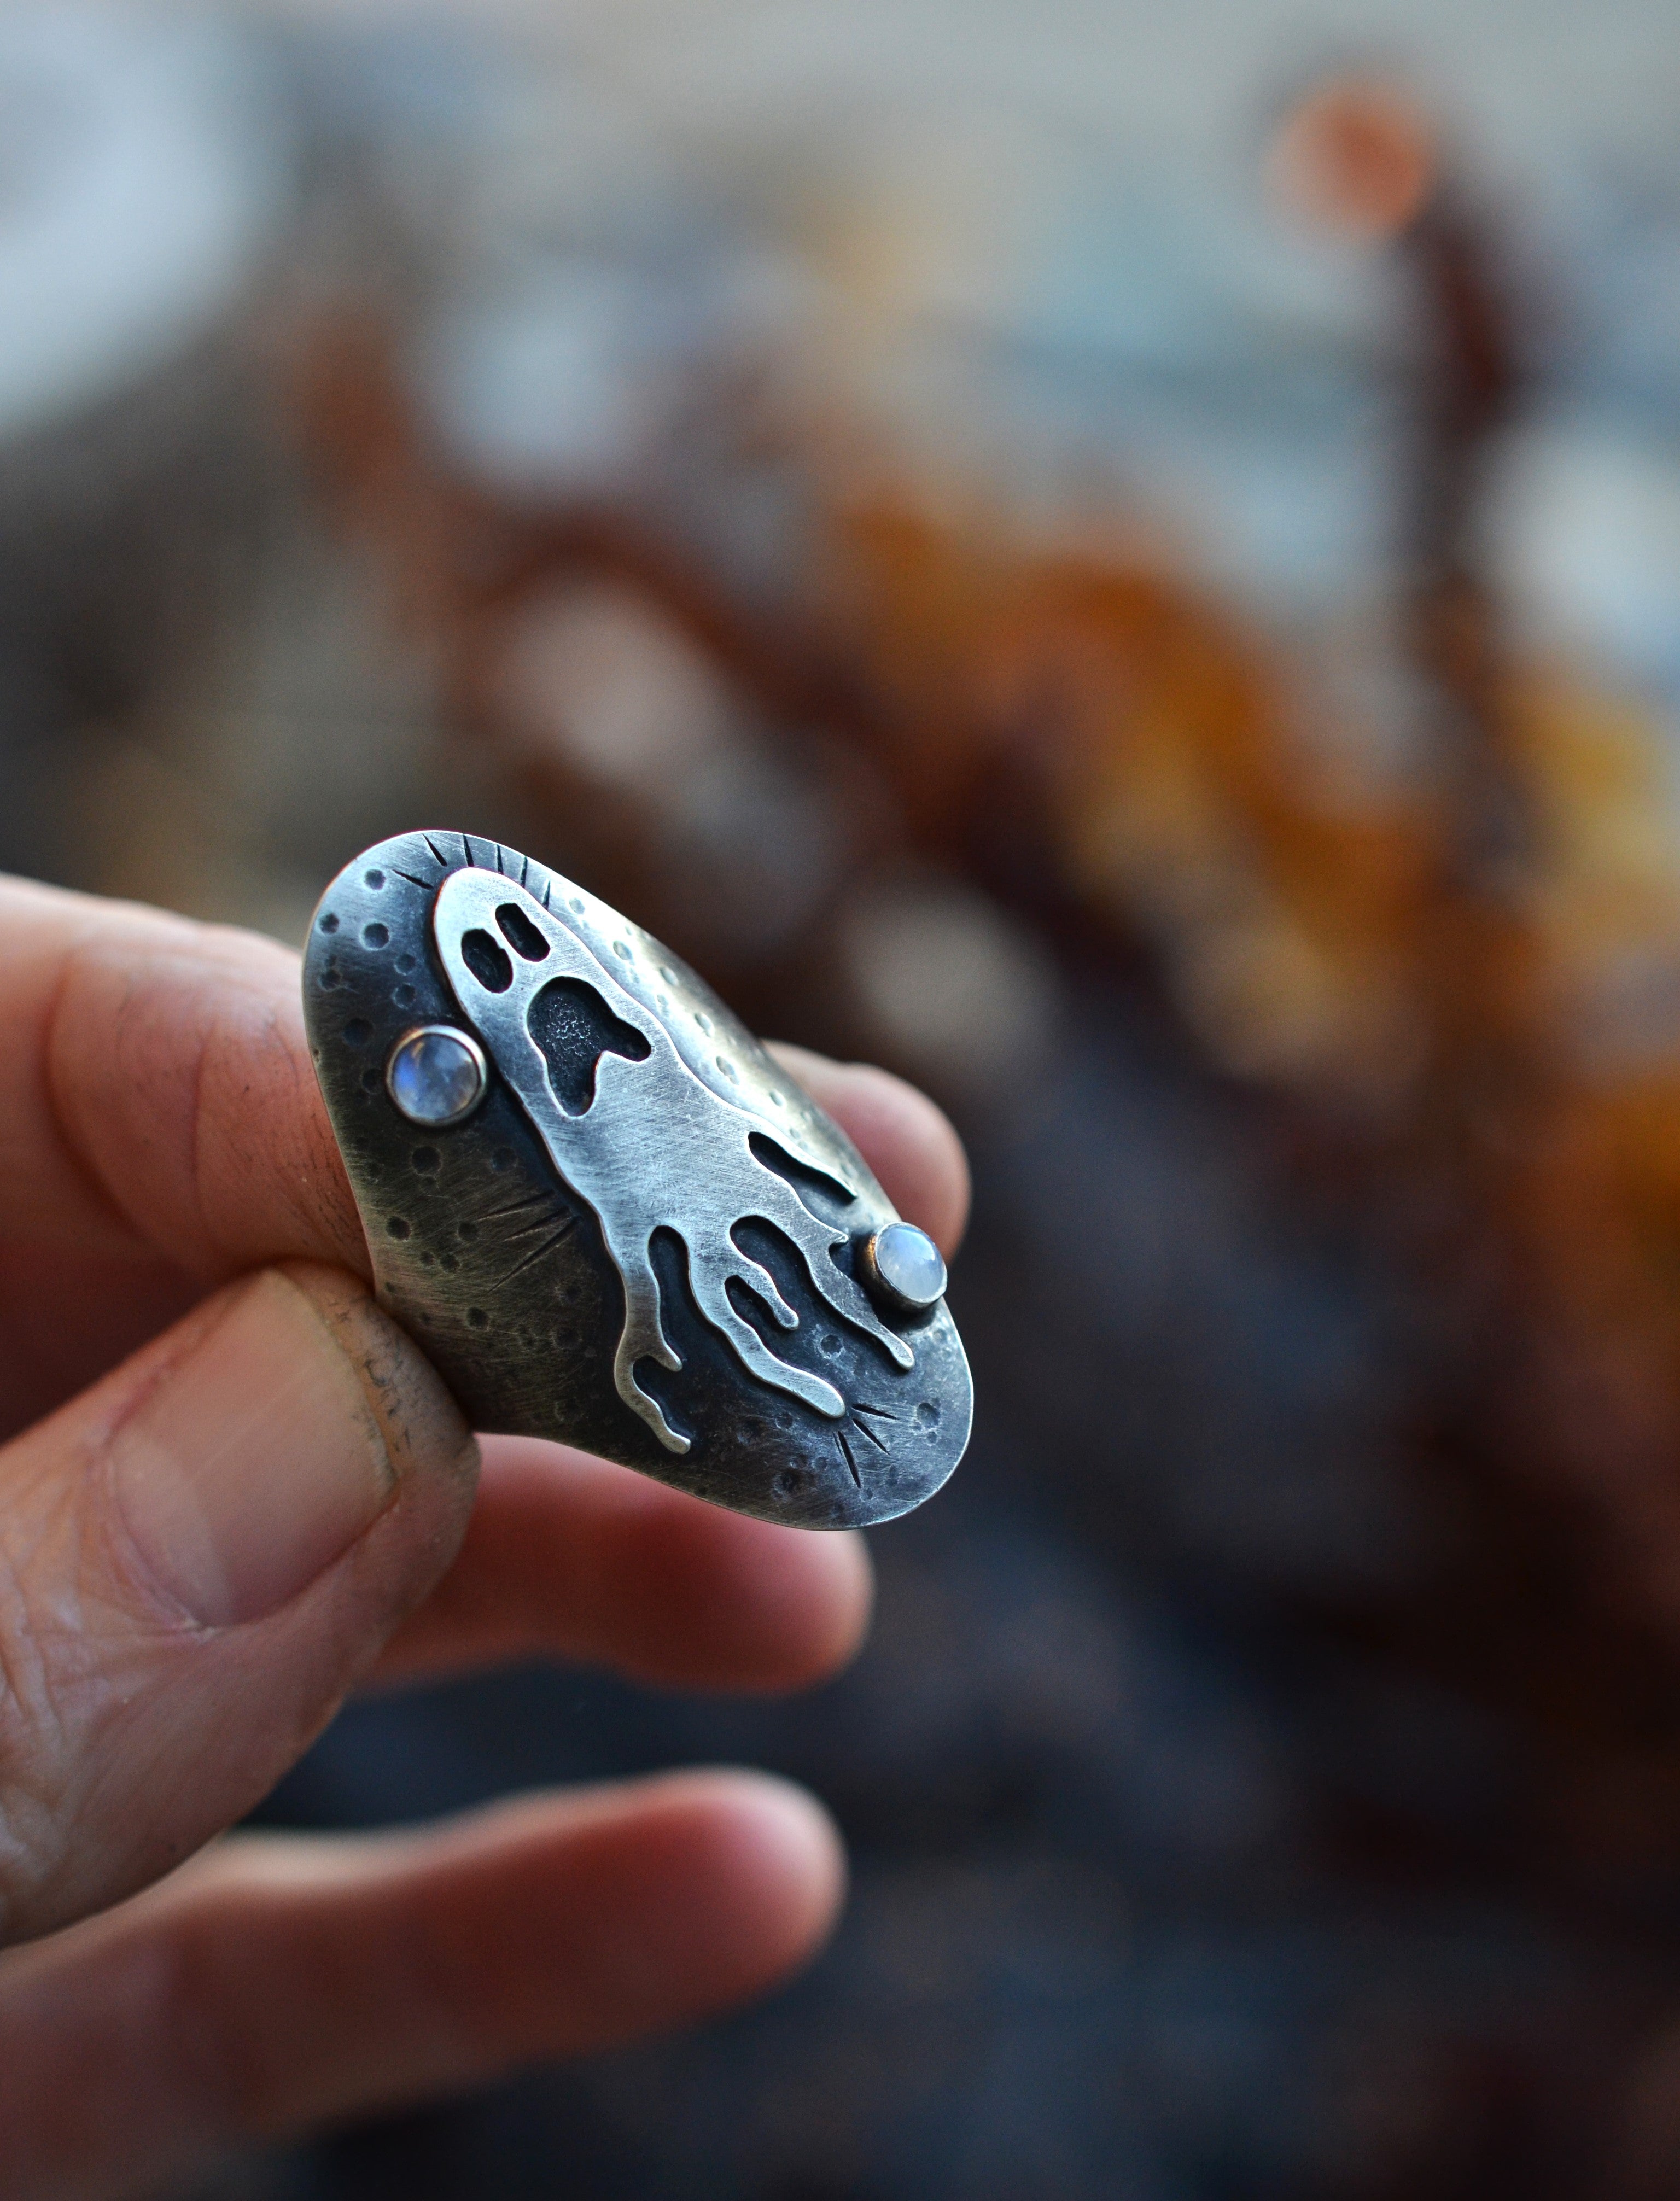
x=645 y=1240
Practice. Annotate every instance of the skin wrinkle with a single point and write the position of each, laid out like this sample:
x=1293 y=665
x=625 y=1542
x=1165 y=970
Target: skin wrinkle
x=63 y=1704
x=193 y=1134
x=36 y=1732
x=194 y=1127
x=68 y=1713
x=61 y=1087
x=324 y=1192
x=123 y=1715
x=125 y=1389
x=394 y=1429
x=284 y=1051
x=130 y=1565
x=377 y=1431
x=388 y=1401
x=320 y=1204
x=330 y=1226
x=254 y=1033
x=49 y=1036
x=150 y=1707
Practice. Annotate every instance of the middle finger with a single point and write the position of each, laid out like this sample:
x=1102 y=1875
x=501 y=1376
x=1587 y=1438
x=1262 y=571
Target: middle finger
x=570 y=1557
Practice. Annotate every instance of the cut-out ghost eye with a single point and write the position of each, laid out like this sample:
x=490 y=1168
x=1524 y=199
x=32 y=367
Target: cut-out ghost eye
x=521 y=934
x=487 y=959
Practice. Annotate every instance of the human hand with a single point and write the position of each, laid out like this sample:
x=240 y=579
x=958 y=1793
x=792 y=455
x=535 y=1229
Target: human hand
x=269 y=1502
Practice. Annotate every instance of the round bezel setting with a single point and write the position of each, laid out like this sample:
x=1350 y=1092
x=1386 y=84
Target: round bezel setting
x=903 y=1267
x=436 y=1076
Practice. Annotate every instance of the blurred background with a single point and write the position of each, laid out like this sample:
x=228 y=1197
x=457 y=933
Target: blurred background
x=1124 y=562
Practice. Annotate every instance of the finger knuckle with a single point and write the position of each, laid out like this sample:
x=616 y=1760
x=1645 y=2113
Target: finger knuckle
x=38 y=1715
x=70 y=1677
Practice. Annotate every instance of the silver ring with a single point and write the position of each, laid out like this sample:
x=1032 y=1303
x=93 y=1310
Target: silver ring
x=605 y=1212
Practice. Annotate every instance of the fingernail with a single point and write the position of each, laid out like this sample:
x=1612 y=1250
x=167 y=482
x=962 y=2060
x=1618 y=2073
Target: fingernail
x=275 y=1442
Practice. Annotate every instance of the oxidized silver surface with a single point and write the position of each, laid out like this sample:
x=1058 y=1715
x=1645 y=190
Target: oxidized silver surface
x=642 y=1238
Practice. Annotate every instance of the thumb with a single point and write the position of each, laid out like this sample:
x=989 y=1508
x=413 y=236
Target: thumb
x=197 y=1557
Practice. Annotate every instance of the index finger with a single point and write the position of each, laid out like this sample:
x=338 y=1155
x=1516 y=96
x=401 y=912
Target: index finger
x=157 y=1097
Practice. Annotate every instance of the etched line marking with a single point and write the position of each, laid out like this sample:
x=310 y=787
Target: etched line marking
x=540 y=1252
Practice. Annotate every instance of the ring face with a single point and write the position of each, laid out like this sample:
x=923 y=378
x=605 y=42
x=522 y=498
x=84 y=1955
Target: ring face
x=604 y=1209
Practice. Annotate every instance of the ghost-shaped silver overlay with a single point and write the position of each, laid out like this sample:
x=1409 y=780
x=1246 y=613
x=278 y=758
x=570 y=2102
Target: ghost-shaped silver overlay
x=608 y=1214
